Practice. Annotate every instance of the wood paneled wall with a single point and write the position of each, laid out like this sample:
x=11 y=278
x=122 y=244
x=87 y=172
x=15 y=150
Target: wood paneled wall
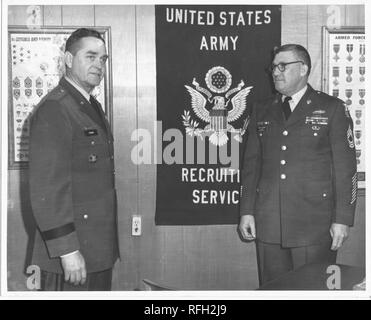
x=185 y=257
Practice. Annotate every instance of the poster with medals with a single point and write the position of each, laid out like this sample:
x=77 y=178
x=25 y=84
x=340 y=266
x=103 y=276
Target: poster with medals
x=345 y=68
x=36 y=64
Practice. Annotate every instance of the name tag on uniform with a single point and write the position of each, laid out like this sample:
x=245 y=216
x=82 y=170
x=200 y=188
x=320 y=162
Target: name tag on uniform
x=91 y=132
x=262 y=126
x=314 y=120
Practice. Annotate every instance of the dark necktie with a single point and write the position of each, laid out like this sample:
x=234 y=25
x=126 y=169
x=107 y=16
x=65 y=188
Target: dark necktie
x=97 y=108
x=286 y=107
x=95 y=105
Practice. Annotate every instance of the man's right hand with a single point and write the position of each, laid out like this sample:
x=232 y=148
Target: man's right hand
x=74 y=268
x=247 y=227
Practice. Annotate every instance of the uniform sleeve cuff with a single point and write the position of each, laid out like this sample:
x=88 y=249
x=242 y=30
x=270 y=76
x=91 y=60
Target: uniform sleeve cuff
x=346 y=220
x=63 y=245
x=69 y=254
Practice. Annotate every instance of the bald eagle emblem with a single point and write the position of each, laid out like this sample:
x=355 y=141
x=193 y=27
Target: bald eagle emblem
x=215 y=109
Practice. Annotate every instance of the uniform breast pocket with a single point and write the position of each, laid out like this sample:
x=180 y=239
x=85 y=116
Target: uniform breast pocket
x=263 y=128
x=313 y=130
x=314 y=135
x=89 y=151
x=268 y=134
x=87 y=142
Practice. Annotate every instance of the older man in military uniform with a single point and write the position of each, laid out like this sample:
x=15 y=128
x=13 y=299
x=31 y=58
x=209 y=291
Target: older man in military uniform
x=299 y=180
x=72 y=187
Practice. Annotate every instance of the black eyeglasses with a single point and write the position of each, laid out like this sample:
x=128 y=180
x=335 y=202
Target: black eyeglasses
x=282 y=66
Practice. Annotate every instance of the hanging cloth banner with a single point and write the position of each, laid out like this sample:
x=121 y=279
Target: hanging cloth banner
x=211 y=66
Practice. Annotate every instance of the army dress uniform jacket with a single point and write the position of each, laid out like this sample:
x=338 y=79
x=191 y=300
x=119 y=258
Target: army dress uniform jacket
x=72 y=188
x=299 y=176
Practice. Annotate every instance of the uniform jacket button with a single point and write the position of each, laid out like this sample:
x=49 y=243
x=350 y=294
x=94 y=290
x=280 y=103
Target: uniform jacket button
x=283 y=176
x=92 y=142
x=283 y=148
x=86 y=216
x=283 y=162
x=324 y=195
x=285 y=133
x=93 y=158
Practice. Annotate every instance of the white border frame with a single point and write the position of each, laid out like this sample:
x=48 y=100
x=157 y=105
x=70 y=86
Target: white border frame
x=178 y=295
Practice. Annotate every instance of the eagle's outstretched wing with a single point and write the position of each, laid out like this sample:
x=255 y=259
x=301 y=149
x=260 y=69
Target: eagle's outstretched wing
x=238 y=104
x=198 y=104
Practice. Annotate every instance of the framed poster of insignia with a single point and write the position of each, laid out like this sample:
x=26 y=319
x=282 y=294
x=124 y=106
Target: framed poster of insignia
x=36 y=64
x=344 y=68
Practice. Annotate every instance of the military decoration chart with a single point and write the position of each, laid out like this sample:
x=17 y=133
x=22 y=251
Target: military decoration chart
x=346 y=80
x=36 y=65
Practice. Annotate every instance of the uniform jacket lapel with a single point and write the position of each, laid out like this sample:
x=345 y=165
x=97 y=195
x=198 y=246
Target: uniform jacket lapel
x=302 y=107
x=85 y=106
x=274 y=109
x=103 y=118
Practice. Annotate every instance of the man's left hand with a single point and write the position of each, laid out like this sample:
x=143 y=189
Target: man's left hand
x=339 y=233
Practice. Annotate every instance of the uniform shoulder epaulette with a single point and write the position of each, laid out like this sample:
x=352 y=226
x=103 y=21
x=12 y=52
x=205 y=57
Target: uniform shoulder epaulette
x=321 y=93
x=57 y=93
x=328 y=97
x=268 y=100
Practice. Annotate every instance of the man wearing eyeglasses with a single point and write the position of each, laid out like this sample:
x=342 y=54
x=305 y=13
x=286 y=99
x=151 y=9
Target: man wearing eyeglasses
x=299 y=179
x=72 y=186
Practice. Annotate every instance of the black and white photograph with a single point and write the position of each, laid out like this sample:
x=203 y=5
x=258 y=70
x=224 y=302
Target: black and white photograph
x=199 y=150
